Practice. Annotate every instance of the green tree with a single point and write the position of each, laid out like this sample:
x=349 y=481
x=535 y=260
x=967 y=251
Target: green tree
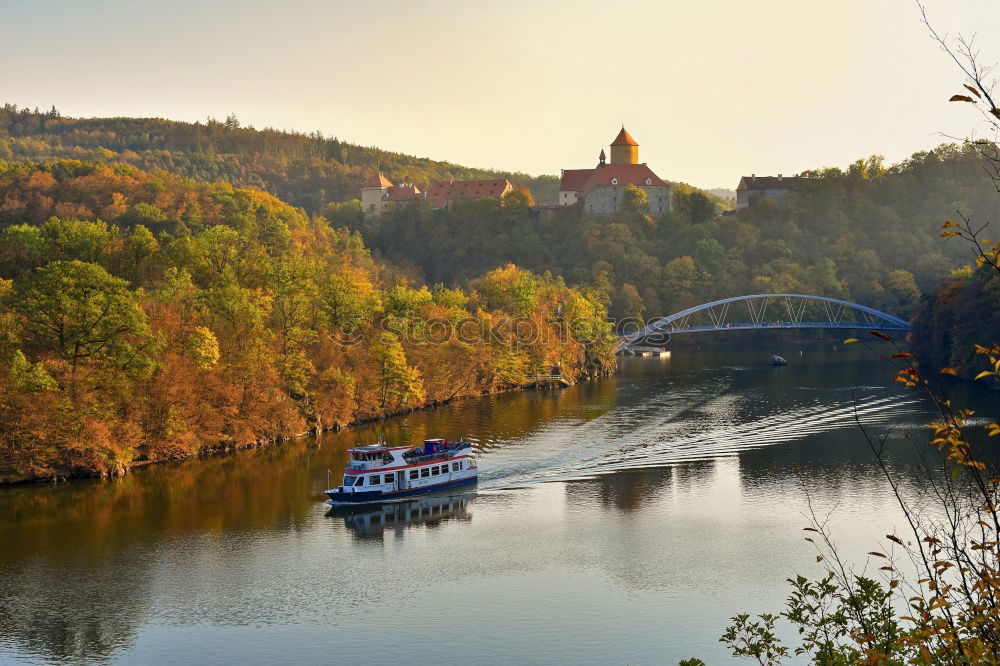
x=903 y=289
x=22 y=248
x=680 y=276
x=85 y=315
x=635 y=202
x=628 y=304
x=137 y=250
x=709 y=253
x=77 y=239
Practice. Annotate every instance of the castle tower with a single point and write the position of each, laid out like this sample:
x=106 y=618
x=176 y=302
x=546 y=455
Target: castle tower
x=624 y=149
x=372 y=192
x=601 y=158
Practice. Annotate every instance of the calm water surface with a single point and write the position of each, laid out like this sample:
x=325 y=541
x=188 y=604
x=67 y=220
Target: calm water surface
x=619 y=521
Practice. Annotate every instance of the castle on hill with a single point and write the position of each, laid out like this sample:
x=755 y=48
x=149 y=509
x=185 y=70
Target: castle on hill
x=602 y=188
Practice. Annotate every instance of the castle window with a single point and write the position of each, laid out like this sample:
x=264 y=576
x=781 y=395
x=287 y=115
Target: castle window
x=614 y=181
x=649 y=181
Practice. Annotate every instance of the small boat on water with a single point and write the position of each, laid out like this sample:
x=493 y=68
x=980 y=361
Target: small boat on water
x=777 y=360
x=377 y=473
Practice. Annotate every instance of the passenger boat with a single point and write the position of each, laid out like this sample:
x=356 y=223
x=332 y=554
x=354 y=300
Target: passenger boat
x=377 y=473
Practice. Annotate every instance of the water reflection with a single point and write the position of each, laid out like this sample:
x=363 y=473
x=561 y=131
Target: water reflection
x=373 y=521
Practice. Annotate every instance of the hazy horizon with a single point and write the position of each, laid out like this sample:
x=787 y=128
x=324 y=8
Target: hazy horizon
x=709 y=92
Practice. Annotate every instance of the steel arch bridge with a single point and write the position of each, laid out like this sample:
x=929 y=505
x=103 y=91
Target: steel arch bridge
x=839 y=314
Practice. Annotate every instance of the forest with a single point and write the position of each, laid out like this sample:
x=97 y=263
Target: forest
x=961 y=313
x=147 y=317
x=868 y=233
x=305 y=170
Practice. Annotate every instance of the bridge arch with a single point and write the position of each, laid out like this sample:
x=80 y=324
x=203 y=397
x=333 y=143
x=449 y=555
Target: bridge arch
x=756 y=305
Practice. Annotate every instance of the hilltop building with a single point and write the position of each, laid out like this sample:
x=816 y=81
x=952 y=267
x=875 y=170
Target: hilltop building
x=441 y=195
x=378 y=193
x=601 y=189
x=775 y=188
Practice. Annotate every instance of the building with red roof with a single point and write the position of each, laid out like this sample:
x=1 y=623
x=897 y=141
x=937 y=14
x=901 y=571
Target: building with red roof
x=442 y=194
x=379 y=193
x=601 y=189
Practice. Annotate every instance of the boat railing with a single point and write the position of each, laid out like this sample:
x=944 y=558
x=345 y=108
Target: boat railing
x=440 y=455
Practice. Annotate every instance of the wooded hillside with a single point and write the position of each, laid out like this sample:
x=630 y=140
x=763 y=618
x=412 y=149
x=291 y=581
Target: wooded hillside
x=305 y=170
x=147 y=317
x=868 y=233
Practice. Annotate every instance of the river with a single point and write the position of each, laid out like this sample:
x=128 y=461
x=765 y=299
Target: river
x=616 y=521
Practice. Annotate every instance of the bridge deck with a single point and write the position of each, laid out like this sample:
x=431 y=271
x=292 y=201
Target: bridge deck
x=749 y=325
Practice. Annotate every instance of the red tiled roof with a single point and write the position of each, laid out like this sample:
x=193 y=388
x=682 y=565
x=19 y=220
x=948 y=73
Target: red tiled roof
x=627 y=174
x=378 y=180
x=403 y=192
x=443 y=192
x=573 y=180
x=624 y=139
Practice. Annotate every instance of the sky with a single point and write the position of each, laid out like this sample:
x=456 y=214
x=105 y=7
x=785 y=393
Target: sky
x=710 y=89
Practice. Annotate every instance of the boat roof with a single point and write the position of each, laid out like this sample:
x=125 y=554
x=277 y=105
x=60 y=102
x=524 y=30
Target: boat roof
x=375 y=448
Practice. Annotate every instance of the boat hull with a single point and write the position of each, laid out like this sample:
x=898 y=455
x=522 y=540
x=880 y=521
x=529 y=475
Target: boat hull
x=372 y=496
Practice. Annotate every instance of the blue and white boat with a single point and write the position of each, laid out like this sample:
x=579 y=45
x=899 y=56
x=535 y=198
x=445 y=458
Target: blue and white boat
x=377 y=473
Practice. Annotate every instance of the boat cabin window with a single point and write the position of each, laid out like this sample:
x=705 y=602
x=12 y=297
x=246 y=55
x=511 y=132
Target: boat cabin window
x=348 y=480
x=414 y=473
x=456 y=466
x=375 y=480
x=371 y=457
x=425 y=472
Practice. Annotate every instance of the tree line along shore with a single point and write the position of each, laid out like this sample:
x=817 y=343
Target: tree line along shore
x=149 y=317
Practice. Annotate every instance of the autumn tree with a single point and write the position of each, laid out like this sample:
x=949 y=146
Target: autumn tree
x=399 y=383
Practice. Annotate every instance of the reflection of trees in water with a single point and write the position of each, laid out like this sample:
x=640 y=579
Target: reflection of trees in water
x=838 y=460
x=70 y=609
x=373 y=521
x=79 y=558
x=628 y=491
x=497 y=418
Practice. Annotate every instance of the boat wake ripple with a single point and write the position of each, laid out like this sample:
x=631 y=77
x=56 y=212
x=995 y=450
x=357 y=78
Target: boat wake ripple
x=711 y=430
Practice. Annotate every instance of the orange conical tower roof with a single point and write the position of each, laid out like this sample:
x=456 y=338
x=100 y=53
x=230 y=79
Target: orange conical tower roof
x=624 y=139
x=378 y=180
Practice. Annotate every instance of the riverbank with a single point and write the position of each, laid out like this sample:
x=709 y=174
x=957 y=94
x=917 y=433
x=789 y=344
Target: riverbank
x=531 y=384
